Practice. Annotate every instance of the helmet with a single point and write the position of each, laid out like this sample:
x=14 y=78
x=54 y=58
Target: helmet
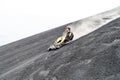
x=68 y=28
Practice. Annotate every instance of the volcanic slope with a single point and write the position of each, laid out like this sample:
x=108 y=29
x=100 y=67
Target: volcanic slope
x=95 y=56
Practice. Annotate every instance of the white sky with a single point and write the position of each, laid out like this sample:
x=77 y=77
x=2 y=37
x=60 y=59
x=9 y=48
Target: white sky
x=23 y=18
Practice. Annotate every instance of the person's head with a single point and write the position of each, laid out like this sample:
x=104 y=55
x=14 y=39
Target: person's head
x=68 y=29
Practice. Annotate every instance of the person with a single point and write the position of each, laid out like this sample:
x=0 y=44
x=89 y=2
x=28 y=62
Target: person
x=60 y=41
x=69 y=35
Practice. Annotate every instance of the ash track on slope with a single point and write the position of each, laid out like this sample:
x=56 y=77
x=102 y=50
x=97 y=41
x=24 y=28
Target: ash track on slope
x=93 y=57
x=90 y=24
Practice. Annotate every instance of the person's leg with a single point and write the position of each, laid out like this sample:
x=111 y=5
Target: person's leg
x=66 y=40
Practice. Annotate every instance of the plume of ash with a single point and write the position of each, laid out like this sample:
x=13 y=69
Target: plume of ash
x=90 y=24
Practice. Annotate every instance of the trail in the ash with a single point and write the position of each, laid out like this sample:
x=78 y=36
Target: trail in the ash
x=90 y=24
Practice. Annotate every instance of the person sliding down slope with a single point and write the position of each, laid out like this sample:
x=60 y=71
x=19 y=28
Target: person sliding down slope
x=69 y=35
x=59 y=42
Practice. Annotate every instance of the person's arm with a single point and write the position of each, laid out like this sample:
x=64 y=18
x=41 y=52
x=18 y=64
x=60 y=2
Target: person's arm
x=71 y=35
